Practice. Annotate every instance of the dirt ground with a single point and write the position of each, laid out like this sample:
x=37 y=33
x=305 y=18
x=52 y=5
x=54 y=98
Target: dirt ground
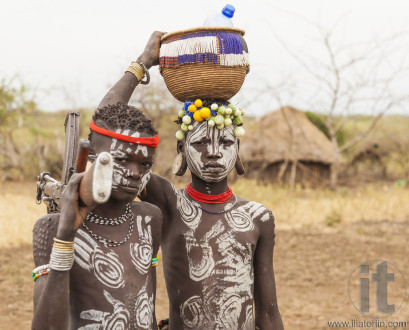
x=312 y=267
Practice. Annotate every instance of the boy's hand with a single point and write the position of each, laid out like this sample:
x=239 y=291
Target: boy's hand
x=150 y=55
x=72 y=213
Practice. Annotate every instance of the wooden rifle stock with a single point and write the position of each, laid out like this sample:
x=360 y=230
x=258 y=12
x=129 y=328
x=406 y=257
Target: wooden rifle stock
x=82 y=158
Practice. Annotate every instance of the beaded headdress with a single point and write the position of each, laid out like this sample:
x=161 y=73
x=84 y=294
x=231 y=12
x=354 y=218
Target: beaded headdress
x=219 y=116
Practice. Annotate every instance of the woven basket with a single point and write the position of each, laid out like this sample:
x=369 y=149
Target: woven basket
x=205 y=79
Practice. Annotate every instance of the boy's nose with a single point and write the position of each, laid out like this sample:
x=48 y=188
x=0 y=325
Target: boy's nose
x=213 y=150
x=134 y=174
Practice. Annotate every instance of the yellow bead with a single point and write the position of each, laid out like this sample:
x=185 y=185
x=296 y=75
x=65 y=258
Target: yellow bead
x=198 y=103
x=197 y=116
x=192 y=108
x=205 y=112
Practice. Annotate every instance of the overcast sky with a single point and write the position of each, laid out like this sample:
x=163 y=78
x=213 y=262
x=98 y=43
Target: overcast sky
x=71 y=52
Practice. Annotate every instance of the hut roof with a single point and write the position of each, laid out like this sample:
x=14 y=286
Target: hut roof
x=285 y=134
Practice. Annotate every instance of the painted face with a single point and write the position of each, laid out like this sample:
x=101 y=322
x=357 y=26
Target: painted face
x=211 y=153
x=132 y=165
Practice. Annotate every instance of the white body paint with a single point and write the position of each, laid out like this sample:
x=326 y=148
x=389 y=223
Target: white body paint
x=224 y=155
x=144 y=181
x=241 y=219
x=189 y=211
x=141 y=252
x=117 y=320
x=105 y=265
x=128 y=132
x=119 y=149
x=222 y=265
x=144 y=309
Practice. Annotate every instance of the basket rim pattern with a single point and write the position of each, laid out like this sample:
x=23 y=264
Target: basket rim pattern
x=202 y=29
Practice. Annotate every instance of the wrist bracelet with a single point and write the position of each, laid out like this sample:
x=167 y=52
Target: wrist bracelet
x=63 y=245
x=62 y=255
x=139 y=70
x=61 y=260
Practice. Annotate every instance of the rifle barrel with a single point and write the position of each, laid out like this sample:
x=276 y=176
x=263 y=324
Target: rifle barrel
x=71 y=145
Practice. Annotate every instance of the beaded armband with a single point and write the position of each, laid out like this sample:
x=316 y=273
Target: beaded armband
x=155 y=261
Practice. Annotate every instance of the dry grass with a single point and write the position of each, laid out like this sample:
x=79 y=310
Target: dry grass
x=293 y=209
x=18 y=213
x=323 y=207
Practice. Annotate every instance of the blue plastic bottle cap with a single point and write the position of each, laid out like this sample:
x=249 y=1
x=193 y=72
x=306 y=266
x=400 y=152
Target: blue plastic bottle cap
x=228 y=11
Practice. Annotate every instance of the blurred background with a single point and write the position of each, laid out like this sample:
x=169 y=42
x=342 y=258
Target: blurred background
x=326 y=145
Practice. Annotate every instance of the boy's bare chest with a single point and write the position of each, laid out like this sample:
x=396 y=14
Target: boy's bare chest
x=112 y=264
x=206 y=222
x=217 y=244
x=113 y=284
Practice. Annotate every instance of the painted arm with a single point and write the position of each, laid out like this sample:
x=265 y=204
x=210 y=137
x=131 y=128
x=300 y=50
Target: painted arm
x=160 y=192
x=123 y=89
x=265 y=298
x=51 y=292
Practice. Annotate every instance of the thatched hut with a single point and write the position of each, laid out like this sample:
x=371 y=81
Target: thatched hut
x=284 y=146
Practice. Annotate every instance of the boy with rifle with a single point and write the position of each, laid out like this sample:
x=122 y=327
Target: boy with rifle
x=95 y=268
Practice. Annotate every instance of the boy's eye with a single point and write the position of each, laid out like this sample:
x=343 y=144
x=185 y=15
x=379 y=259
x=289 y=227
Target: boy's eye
x=146 y=164
x=227 y=142
x=121 y=160
x=199 y=142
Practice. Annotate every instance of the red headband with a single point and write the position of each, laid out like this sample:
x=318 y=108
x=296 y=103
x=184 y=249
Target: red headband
x=149 y=142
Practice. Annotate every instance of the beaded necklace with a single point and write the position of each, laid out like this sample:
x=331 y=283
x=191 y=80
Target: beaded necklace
x=209 y=199
x=110 y=242
x=92 y=217
x=207 y=211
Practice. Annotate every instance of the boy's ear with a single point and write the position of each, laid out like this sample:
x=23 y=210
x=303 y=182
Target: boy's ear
x=180 y=147
x=179 y=164
x=239 y=165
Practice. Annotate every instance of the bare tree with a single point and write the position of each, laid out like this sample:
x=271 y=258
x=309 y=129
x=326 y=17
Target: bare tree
x=14 y=105
x=344 y=79
x=155 y=100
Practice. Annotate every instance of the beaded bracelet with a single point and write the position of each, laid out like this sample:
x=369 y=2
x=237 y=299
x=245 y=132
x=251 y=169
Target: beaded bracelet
x=155 y=261
x=39 y=271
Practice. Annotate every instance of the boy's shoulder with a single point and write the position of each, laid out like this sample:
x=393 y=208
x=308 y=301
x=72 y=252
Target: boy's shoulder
x=257 y=211
x=147 y=209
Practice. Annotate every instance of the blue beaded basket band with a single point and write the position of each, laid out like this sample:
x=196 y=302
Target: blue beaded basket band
x=216 y=47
